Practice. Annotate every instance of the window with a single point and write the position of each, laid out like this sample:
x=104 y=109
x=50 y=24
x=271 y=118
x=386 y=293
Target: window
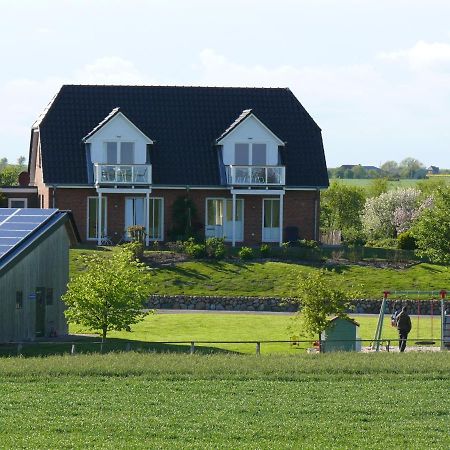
x=250 y=154
x=19 y=299
x=92 y=217
x=120 y=153
x=214 y=212
x=155 y=219
x=241 y=154
x=49 y=296
x=17 y=203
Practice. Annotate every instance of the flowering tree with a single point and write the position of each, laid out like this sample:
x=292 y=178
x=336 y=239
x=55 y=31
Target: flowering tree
x=392 y=212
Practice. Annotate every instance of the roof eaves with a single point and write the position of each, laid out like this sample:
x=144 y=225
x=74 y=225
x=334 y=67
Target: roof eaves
x=112 y=114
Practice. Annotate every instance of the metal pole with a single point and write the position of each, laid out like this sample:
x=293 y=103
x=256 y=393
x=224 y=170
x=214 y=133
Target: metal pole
x=72 y=350
x=192 y=348
x=258 y=348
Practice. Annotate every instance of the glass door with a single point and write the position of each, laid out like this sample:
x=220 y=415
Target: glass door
x=134 y=212
x=239 y=221
x=271 y=220
x=214 y=218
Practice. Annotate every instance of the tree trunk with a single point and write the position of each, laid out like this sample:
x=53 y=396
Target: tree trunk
x=104 y=331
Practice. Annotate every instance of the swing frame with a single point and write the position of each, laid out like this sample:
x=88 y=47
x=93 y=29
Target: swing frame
x=377 y=339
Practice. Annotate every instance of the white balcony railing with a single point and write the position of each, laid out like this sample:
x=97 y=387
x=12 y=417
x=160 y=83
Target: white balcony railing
x=256 y=175
x=122 y=173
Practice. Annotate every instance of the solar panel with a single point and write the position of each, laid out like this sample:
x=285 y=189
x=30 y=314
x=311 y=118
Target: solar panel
x=17 y=224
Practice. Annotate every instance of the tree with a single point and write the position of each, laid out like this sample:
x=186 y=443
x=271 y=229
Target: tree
x=319 y=298
x=409 y=166
x=21 y=160
x=3 y=162
x=390 y=168
x=341 y=206
x=432 y=228
x=391 y=213
x=9 y=176
x=109 y=294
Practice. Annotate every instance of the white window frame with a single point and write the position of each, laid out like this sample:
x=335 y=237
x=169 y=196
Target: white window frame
x=87 y=217
x=161 y=239
x=224 y=218
x=18 y=199
x=119 y=145
x=262 y=221
x=250 y=154
x=161 y=218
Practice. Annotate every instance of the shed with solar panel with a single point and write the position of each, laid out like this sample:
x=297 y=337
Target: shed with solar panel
x=34 y=271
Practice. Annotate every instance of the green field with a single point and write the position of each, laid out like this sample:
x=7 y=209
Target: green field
x=403 y=183
x=226 y=402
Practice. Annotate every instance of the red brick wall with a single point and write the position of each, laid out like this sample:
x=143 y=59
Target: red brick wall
x=299 y=210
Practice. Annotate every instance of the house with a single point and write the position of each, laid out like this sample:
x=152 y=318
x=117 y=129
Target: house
x=249 y=160
x=34 y=271
x=433 y=170
x=22 y=196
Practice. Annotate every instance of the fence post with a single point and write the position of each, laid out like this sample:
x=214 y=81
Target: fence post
x=72 y=350
x=192 y=348
x=258 y=348
x=388 y=345
x=128 y=347
x=19 y=349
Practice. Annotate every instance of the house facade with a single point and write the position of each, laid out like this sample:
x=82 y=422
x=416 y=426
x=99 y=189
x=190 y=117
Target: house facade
x=249 y=162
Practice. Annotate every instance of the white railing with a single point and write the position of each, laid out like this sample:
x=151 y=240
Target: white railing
x=256 y=175
x=122 y=173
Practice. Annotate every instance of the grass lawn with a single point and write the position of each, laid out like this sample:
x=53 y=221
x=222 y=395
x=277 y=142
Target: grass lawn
x=246 y=327
x=403 y=183
x=279 y=279
x=225 y=401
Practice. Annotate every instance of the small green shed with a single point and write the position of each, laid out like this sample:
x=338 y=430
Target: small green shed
x=342 y=335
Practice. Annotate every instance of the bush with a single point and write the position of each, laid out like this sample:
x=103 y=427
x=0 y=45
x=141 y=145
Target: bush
x=245 y=253
x=353 y=237
x=305 y=243
x=215 y=248
x=194 y=249
x=264 y=250
x=406 y=241
x=382 y=243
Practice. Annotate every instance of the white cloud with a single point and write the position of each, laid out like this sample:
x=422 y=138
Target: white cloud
x=423 y=55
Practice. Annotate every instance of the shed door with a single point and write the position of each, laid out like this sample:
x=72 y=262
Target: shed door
x=40 y=312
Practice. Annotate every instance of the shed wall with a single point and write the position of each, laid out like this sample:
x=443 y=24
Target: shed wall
x=47 y=265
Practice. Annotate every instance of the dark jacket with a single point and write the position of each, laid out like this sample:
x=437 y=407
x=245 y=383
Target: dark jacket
x=404 y=322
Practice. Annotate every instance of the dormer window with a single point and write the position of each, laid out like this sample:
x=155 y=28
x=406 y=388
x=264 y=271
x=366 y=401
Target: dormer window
x=120 y=152
x=252 y=154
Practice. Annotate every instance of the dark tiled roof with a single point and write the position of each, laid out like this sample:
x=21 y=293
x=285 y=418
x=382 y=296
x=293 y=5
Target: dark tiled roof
x=185 y=123
x=114 y=112
x=244 y=114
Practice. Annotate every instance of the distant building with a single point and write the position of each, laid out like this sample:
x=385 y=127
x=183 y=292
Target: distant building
x=367 y=168
x=34 y=271
x=433 y=170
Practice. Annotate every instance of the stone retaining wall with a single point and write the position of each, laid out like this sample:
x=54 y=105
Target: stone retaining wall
x=276 y=304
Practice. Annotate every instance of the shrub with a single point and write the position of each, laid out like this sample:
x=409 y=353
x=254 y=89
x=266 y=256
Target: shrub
x=245 y=253
x=215 y=248
x=406 y=241
x=353 y=237
x=177 y=247
x=382 y=243
x=305 y=243
x=264 y=250
x=194 y=249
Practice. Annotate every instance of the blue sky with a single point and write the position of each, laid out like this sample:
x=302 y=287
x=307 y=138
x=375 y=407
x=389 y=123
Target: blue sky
x=375 y=75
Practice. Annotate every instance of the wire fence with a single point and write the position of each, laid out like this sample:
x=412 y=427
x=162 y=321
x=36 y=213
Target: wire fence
x=45 y=348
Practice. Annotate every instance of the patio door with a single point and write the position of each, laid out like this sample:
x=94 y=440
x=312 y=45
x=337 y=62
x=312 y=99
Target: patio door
x=219 y=219
x=134 y=212
x=271 y=220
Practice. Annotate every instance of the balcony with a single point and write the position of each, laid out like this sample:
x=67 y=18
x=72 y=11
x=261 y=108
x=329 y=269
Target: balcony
x=122 y=174
x=256 y=175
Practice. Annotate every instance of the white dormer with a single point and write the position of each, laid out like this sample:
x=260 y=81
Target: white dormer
x=118 y=150
x=249 y=142
x=250 y=152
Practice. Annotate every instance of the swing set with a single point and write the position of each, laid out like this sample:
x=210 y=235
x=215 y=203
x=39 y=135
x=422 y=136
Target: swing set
x=388 y=305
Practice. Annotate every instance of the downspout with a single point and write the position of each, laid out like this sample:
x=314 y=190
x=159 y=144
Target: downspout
x=54 y=196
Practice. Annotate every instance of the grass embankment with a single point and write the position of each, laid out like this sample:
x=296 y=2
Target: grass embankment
x=279 y=279
x=174 y=401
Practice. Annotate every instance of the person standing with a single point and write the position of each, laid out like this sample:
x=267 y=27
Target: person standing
x=404 y=327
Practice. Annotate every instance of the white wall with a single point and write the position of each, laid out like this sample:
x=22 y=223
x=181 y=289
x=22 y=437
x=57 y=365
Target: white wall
x=250 y=131
x=118 y=129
